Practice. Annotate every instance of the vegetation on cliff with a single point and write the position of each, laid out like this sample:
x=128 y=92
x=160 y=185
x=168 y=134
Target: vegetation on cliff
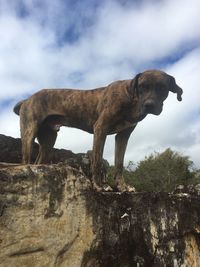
x=160 y=172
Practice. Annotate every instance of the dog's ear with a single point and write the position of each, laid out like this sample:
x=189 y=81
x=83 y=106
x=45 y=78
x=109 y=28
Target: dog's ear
x=134 y=85
x=173 y=87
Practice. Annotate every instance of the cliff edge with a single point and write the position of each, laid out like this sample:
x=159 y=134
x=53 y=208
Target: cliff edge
x=50 y=216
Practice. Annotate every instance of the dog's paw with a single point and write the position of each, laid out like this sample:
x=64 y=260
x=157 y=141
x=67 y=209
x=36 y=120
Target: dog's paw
x=101 y=188
x=107 y=188
x=96 y=187
x=122 y=187
x=131 y=188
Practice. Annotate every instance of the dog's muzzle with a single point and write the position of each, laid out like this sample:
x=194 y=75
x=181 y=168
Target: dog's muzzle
x=150 y=107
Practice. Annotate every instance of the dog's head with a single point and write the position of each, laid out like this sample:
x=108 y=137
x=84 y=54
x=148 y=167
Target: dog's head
x=151 y=89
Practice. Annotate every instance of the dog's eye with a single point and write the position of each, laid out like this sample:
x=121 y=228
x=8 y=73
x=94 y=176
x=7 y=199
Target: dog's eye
x=161 y=91
x=143 y=87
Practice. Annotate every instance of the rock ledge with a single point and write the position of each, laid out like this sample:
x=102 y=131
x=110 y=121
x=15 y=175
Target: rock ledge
x=49 y=216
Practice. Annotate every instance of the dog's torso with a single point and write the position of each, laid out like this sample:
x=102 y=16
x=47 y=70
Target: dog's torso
x=82 y=108
x=68 y=107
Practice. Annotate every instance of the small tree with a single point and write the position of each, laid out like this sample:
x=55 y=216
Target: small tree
x=161 y=172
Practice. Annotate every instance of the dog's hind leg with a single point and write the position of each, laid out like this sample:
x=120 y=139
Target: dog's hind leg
x=46 y=138
x=28 y=134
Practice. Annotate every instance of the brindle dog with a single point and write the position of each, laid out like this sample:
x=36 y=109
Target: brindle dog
x=113 y=109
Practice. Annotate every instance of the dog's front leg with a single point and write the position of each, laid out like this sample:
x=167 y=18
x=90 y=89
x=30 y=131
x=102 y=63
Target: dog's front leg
x=121 y=140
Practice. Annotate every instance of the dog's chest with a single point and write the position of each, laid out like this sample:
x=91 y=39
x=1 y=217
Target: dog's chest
x=120 y=126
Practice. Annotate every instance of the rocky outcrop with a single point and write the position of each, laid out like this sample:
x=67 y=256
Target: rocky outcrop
x=50 y=216
x=11 y=151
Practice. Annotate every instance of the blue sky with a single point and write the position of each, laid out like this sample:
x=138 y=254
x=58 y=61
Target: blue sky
x=87 y=44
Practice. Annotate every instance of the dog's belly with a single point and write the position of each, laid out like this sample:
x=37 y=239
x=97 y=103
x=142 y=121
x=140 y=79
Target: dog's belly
x=121 y=126
x=79 y=124
x=57 y=121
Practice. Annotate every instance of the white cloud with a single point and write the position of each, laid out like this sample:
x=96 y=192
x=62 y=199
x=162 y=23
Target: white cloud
x=9 y=123
x=120 y=41
x=146 y=33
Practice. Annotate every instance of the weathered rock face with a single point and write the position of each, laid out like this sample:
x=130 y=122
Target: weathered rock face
x=44 y=220
x=49 y=216
x=148 y=229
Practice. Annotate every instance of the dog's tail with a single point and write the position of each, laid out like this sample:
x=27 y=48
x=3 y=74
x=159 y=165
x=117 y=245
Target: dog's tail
x=17 y=107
